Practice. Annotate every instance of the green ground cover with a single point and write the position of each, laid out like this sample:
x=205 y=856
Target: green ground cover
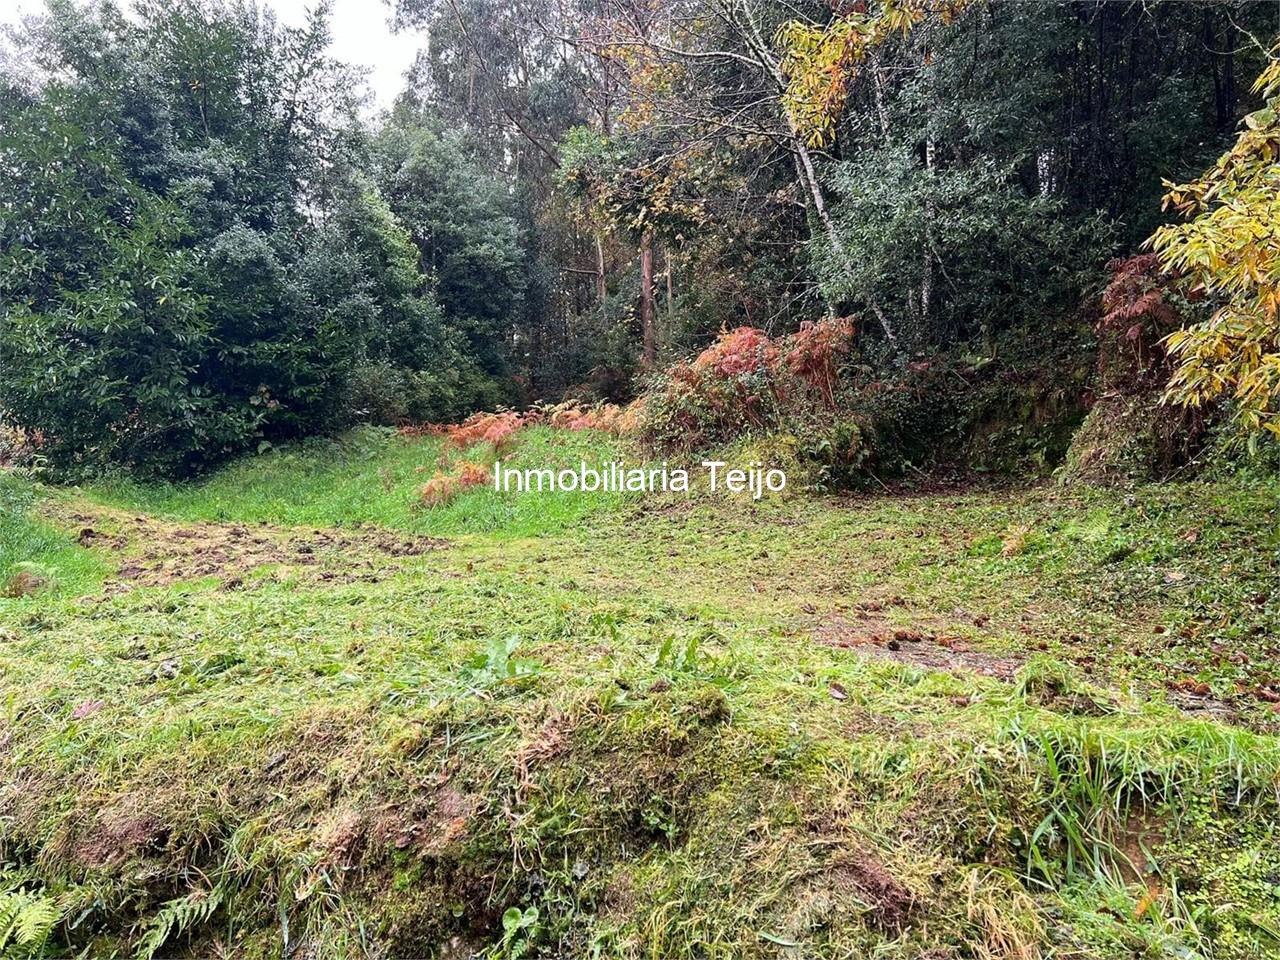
x=289 y=712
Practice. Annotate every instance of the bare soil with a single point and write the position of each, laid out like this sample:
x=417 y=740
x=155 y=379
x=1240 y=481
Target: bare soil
x=925 y=644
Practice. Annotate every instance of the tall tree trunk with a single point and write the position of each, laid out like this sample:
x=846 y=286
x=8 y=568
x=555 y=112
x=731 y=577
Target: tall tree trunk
x=926 y=279
x=930 y=208
x=602 y=289
x=878 y=83
x=648 y=312
x=671 y=297
x=809 y=178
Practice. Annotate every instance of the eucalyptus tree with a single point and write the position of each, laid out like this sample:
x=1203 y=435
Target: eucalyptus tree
x=987 y=159
x=510 y=78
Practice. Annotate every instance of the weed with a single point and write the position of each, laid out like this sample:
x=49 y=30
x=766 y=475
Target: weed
x=27 y=920
x=519 y=934
x=498 y=665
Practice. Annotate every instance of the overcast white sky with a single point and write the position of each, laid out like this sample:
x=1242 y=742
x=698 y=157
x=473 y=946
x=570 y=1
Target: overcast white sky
x=361 y=35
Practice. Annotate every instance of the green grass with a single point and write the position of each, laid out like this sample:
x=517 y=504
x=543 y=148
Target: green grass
x=608 y=727
x=372 y=476
x=31 y=545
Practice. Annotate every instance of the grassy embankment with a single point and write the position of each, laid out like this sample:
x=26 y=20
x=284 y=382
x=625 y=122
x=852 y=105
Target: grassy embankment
x=286 y=712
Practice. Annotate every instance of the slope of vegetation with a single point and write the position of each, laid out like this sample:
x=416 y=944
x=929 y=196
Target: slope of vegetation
x=977 y=724
x=287 y=676
x=374 y=476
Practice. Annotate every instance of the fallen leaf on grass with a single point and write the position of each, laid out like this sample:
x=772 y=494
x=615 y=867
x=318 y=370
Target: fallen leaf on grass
x=1144 y=904
x=87 y=709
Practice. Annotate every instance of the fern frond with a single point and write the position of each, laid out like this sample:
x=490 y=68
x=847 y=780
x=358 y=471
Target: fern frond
x=177 y=917
x=26 y=921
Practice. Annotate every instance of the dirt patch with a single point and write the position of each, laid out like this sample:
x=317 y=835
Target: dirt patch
x=158 y=553
x=342 y=837
x=1196 y=699
x=22 y=584
x=426 y=826
x=550 y=741
x=921 y=645
x=861 y=872
x=1141 y=834
x=120 y=831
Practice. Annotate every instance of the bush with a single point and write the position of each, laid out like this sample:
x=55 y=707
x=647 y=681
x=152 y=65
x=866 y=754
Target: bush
x=1131 y=433
x=179 y=286
x=743 y=382
x=104 y=331
x=1009 y=406
x=378 y=393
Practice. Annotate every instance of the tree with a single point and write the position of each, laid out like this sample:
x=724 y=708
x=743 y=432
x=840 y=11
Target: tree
x=1230 y=252
x=710 y=74
x=464 y=227
x=821 y=61
x=984 y=161
x=627 y=184
x=103 y=332
x=178 y=196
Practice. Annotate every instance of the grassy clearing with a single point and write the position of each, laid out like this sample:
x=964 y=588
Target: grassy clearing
x=659 y=728
x=372 y=476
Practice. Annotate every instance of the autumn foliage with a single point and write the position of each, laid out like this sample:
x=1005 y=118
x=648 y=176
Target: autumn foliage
x=822 y=62
x=439 y=490
x=497 y=429
x=472 y=475
x=443 y=487
x=746 y=380
x=744 y=351
x=605 y=417
x=1230 y=253
x=815 y=351
x=1130 y=434
x=1137 y=316
x=500 y=430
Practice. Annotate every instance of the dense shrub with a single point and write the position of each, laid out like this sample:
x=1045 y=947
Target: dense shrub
x=184 y=277
x=724 y=391
x=1131 y=433
x=1009 y=406
x=103 y=327
x=815 y=352
x=744 y=381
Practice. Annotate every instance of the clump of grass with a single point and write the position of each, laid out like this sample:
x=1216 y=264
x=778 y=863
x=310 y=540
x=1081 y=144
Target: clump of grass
x=1089 y=777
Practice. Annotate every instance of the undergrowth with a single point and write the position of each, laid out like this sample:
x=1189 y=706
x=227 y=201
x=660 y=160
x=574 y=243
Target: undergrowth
x=669 y=727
